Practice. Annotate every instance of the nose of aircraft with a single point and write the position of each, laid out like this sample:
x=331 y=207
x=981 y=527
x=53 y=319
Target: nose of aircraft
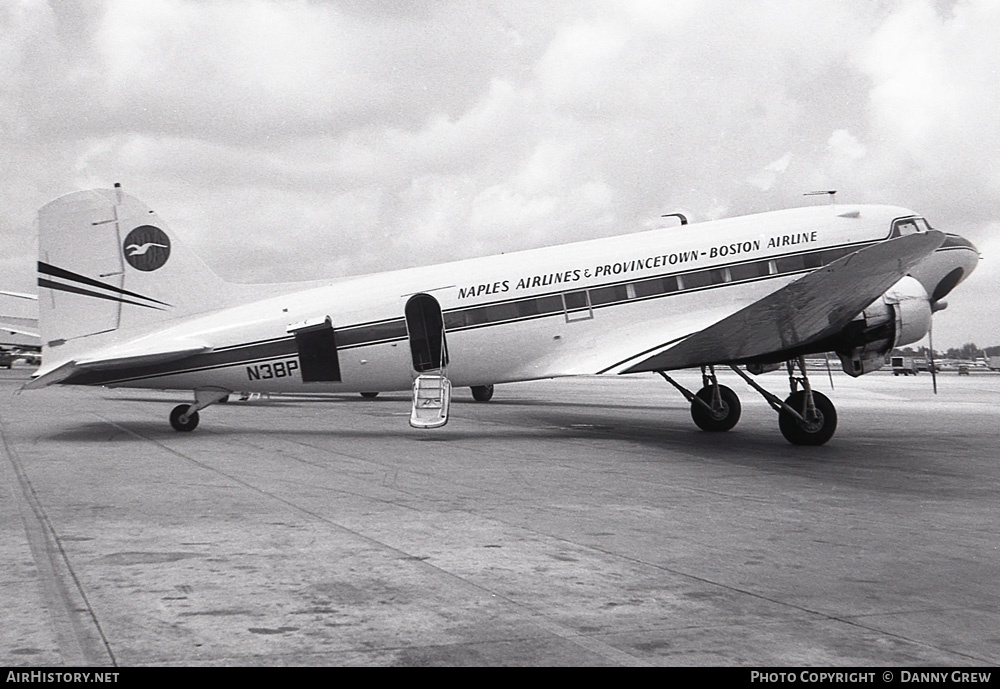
x=958 y=258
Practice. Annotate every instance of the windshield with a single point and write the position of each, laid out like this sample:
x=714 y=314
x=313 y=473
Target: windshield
x=907 y=226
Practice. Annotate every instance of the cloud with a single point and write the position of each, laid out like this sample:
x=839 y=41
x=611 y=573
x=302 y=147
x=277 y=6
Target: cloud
x=400 y=133
x=765 y=179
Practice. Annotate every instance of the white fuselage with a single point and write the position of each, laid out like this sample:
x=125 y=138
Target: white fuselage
x=583 y=308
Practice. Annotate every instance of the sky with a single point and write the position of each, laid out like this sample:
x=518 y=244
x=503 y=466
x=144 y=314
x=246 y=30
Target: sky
x=296 y=140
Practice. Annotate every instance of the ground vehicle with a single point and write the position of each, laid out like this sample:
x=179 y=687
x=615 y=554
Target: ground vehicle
x=963 y=369
x=6 y=359
x=993 y=363
x=903 y=365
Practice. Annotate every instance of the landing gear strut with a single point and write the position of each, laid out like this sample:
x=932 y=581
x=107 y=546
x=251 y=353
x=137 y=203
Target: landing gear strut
x=184 y=417
x=715 y=408
x=805 y=417
x=809 y=426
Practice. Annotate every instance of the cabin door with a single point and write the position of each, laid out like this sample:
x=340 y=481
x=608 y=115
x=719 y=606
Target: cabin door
x=316 y=342
x=425 y=327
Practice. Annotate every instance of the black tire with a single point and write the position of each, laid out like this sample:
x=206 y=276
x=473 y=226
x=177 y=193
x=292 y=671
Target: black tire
x=175 y=419
x=482 y=393
x=369 y=395
x=721 y=420
x=815 y=433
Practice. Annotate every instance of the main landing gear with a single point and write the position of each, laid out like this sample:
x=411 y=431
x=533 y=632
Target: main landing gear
x=805 y=417
x=482 y=393
x=184 y=417
x=714 y=408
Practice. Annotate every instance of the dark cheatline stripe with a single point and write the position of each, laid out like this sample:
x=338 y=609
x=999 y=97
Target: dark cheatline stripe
x=371 y=333
x=197 y=362
x=42 y=282
x=48 y=269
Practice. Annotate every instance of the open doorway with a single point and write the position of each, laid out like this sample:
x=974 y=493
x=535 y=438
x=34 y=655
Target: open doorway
x=426 y=331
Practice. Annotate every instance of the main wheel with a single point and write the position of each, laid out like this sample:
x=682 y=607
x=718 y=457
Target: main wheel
x=177 y=413
x=369 y=395
x=716 y=420
x=482 y=393
x=814 y=431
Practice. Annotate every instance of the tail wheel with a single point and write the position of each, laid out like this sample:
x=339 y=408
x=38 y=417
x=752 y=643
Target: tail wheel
x=482 y=393
x=814 y=431
x=719 y=419
x=178 y=413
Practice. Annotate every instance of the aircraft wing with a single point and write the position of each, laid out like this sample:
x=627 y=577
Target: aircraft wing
x=118 y=357
x=810 y=309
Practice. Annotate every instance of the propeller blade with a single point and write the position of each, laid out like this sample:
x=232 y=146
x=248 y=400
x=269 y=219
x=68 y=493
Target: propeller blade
x=932 y=366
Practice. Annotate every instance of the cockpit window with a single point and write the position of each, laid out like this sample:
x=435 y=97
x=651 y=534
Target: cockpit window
x=907 y=226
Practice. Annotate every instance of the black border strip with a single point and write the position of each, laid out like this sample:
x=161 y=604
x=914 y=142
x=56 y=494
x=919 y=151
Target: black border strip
x=48 y=269
x=42 y=282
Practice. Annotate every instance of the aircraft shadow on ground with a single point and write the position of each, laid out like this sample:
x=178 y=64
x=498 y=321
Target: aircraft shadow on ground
x=753 y=447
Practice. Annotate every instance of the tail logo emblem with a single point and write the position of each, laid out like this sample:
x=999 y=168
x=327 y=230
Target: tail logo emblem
x=146 y=248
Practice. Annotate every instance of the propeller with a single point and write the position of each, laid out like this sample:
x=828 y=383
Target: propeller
x=938 y=305
x=930 y=364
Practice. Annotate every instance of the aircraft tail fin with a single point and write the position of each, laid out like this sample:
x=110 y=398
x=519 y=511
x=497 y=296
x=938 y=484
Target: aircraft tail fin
x=109 y=269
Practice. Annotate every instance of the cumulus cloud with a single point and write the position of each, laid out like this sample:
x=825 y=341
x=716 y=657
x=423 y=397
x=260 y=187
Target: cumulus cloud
x=399 y=133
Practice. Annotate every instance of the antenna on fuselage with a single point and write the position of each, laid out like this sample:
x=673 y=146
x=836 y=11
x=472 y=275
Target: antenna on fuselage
x=683 y=218
x=830 y=192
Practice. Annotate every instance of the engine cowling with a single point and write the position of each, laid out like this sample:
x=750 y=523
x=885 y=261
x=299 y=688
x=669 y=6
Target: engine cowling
x=900 y=316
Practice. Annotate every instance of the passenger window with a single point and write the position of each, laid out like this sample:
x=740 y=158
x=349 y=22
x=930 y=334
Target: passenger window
x=748 y=271
x=648 y=288
x=813 y=260
x=608 y=295
x=791 y=264
x=695 y=280
x=577 y=305
x=576 y=300
x=717 y=276
x=501 y=312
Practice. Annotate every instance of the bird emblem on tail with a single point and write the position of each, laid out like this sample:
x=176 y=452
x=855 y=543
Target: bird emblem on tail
x=146 y=248
x=140 y=250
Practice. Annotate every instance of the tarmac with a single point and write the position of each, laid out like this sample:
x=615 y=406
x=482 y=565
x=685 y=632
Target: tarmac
x=576 y=522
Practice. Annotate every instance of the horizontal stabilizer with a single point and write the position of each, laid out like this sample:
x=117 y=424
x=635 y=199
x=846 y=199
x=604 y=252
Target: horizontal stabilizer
x=19 y=295
x=118 y=357
x=813 y=307
x=14 y=329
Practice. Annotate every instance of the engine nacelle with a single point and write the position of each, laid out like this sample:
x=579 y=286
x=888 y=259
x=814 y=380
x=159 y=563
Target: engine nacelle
x=900 y=316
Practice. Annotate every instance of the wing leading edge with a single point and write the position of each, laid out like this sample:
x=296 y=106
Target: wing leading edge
x=808 y=310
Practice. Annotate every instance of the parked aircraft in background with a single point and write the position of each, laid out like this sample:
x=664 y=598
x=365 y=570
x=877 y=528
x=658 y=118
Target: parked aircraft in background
x=19 y=337
x=751 y=293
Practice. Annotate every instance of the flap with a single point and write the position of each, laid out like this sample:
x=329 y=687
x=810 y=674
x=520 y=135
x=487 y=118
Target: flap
x=813 y=307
